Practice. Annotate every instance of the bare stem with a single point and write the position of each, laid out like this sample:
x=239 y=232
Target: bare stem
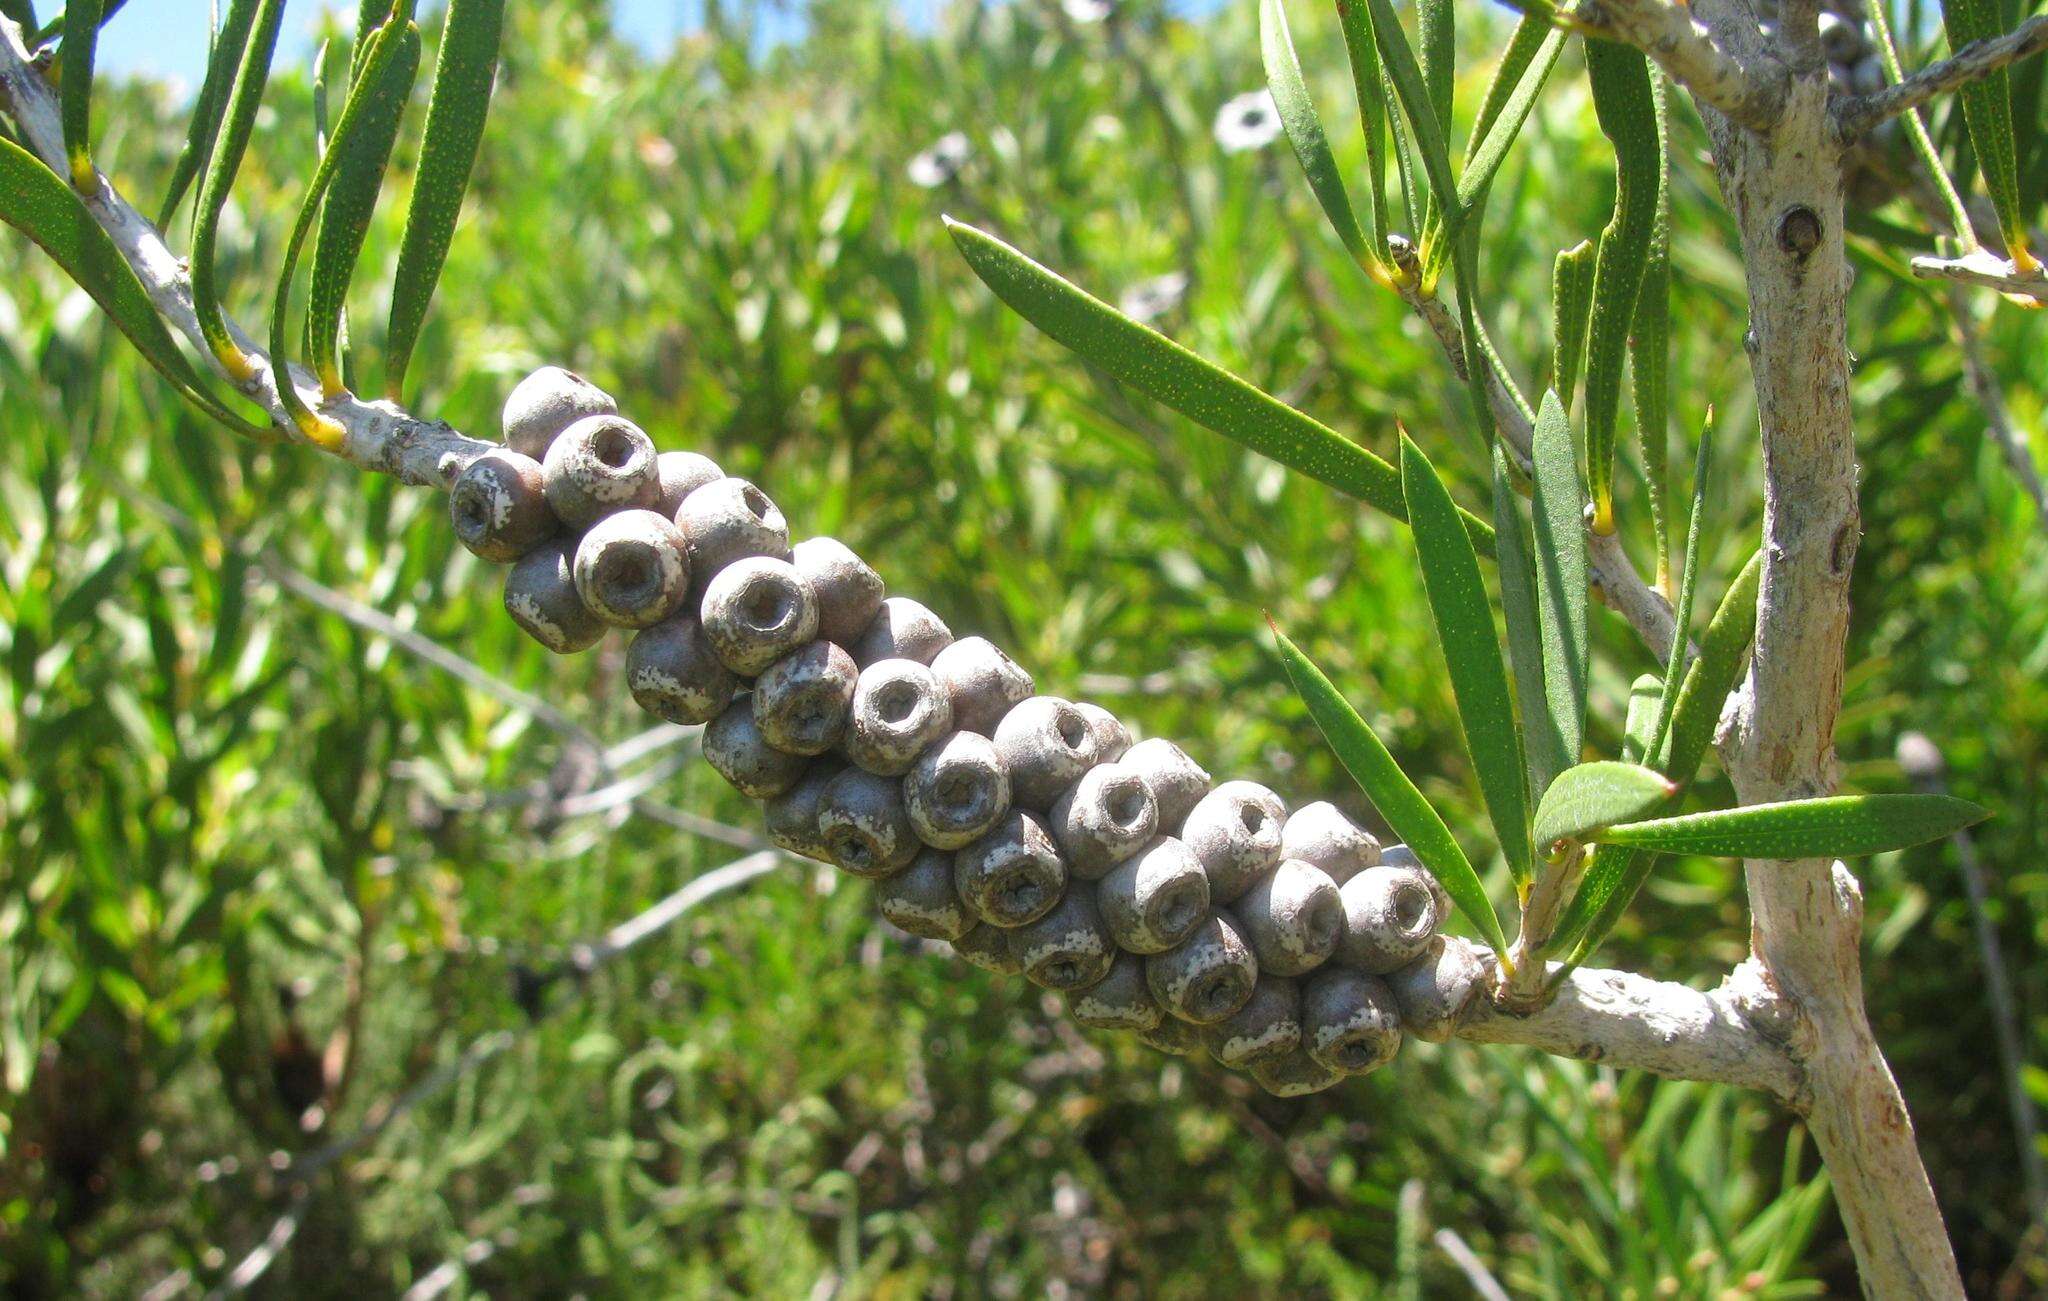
x=1688 y=52
x=1974 y=62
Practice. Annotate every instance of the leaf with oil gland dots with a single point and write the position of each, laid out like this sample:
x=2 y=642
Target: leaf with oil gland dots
x=1525 y=67
x=1374 y=107
x=1681 y=614
x=1558 y=511
x=1613 y=874
x=75 y=61
x=1571 y=303
x=1397 y=58
x=1464 y=625
x=1835 y=826
x=1305 y=128
x=1987 y=112
x=1436 y=29
x=1650 y=343
x=252 y=73
x=211 y=103
x=1713 y=674
x=1513 y=554
x=1411 y=816
x=1161 y=369
x=1595 y=795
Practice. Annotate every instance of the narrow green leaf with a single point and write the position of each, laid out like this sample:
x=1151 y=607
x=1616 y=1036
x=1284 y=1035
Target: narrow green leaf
x=351 y=203
x=1987 y=112
x=1531 y=54
x=1471 y=648
x=1397 y=57
x=1639 y=725
x=1595 y=795
x=1614 y=874
x=1436 y=23
x=1681 y=614
x=1836 y=826
x=1411 y=816
x=38 y=203
x=1561 y=584
x=1374 y=107
x=24 y=15
x=1571 y=306
x=1160 y=368
x=1626 y=107
x=221 y=62
x=1511 y=550
x=74 y=62
x=252 y=73
x=1650 y=344
x=1714 y=673
x=1305 y=129
x=463 y=73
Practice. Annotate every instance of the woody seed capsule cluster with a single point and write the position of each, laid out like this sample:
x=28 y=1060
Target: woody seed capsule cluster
x=1034 y=834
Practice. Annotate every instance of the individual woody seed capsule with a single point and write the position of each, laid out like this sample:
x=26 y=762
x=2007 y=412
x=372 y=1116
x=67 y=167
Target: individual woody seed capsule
x=862 y=819
x=1320 y=835
x=1112 y=738
x=673 y=675
x=599 y=465
x=1433 y=991
x=901 y=629
x=989 y=948
x=849 y=593
x=1047 y=744
x=1235 y=833
x=1012 y=875
x=1293 y=918
x=1294 y=1075
x=792 y=817
x=682 y=473
x=1173 y=1035
x=957 y=791
x=728 y=520
x=545 y=403
x=1155 y=899
x=801 y=700
x=735 y=747
x=1349 y=1021
x=630 y=569
x=1118 y=1001
x=921 y=898
x=1107 y=817
x=1067 y=948
x=1390 y=915
x=898 y=710
x=756 y=611
x=982 y=681
x=540 y=595
x=1178 y=783
x=499 y=508
x=1268 y=1025
x=1207 y=976
x=1841 y=40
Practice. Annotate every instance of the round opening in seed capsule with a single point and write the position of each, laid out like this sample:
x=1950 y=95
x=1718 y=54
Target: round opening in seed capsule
x=628 y=573
x=1020 y=897
x=1219 y=994
x=1126 y=803
x=850 y=848
x=756 y=502
x=955 y=791
x=896 y=702
x=1253 y=817
x=1073 y=728
x=1324 y=923
x=1355 y=1054
x=1411 y=908
x=767 y=607
x=1181 y=908
x=614 y=446
x=1062 y=974
x=471 y=516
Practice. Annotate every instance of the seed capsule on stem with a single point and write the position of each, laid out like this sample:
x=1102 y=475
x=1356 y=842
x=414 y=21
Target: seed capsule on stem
x=1433 y=991
x=1107 y=817
x=756 y=611
x=921 y=899
x=545 y=403
x=1268 y=1025
x=1112 y=738
x=673 y=674
x=898 y=710
x=801 y=701
x=849 y=593
x=599 y=465
x=1321 y=835
x=499 y=506
x=1207 y=976
x=728 y=520
x=1349 y=1021
x=1293 y=918
x=901 y=629
x=1069 y=947
x=682 y=473
x=540 y=595
x=1046 y=743
x=1178 y=783
x=1390 y=915
x=1294 y=1075
x=792 y=817
x=1235 y=832
x=865 y=827
x=1156 y=898
x=983 y=682
x=630 y=569
x=1118 y=1001
x=989 y=948
x=734 y=746
x=1011 y=875
x=957 y=791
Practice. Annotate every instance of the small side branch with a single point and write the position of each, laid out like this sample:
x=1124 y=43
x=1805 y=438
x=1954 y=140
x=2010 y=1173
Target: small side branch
x=1973 y=62
x=1985 y=268
x=1669 y=34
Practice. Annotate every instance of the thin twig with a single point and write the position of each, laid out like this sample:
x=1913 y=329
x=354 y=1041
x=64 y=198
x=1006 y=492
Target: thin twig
x=1474 y=1269
x=1680 y=45
x=1983 y=267
x=1974 y=62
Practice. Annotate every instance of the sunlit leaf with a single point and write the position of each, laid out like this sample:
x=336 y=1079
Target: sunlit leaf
x=1713 y=673
x=1571 y=304
x=207 y=109
x=1375 y=107
x=252 y=73
x=1531 y=54
x=1305 y=128
x=75 y=59
x=1688 y=585
x=1835 y=826
x=1650 y=345
x=1514 y=556
x=1561 y=582
x=1987 y=111
x=1595 y=795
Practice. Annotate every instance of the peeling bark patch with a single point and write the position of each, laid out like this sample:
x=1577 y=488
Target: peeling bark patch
x=1799 y=231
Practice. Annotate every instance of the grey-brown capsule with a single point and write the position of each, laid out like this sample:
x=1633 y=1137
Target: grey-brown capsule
x=792 y=817
x=865 y=826
x=1104 y=819
x=1208 y=975
x=499 y=506
x=727 y=520
x=1294 y=1075
x=1118 y=1001
x=630 y=569
x=1154 y=899
x=989 y=948
x=1013 y=874
x=1268 y=1025
x=1178 y=783
x=1390 y=915
x=1173 y=1035
x=983 y=682
x=1433 y=991
x=1235 y=832
x=1349 y=1021
x=599 y=465
x=801 y=701
x=757 y=610
x=736 y=748
x=682 y=473
x=957 y=791
x=673 y=674
x=921 y=898
x=540 y=595
x=1069 y=947
x=1321 y=835
x=1293 y=918
x=545 y=403
x=1112 y=738
x=849 y=593
x=1047 y=744
x=898 y=711
x=901 y=629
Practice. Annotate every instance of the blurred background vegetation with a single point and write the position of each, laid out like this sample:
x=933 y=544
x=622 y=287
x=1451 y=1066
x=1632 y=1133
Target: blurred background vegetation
x=244 y=833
